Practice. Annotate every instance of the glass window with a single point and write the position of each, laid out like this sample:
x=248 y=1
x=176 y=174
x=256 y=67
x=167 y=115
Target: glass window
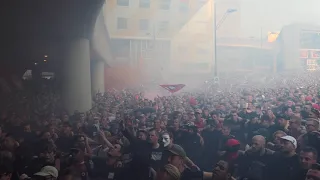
x=123 y=2
x=163 y=25
x=144 y=24
x=164 y=4
x=122 y=23
x=144 y=3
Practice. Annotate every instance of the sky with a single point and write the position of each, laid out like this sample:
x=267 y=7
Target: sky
x=272 y=15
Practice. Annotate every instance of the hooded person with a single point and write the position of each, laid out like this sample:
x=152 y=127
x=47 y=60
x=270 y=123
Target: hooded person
x=232 y=151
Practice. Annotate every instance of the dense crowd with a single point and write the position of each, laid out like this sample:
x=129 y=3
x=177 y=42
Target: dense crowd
x=248 y=129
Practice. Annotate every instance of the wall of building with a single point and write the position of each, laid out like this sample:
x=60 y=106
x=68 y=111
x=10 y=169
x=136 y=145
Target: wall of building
x=192 y=47
x=154 y=33
x=289 y=46
x=120 y=77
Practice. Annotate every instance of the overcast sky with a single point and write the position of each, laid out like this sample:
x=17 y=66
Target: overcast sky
x=272 y=15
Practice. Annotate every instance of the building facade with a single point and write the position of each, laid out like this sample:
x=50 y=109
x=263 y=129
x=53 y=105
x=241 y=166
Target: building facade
x=160 y=37
x=298 y=48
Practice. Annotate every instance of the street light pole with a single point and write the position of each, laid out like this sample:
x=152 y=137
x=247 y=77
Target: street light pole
x=215 y=39
x=216 y=26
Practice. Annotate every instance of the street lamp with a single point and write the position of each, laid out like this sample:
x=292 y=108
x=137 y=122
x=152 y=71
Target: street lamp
x=216 y=26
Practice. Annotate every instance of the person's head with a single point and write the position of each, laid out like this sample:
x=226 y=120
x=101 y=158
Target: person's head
x=142 y=135
x=258 y=143
x=114 y=154
x=312 y=124
x=65 y=118
x=176 y=123
x=198 y=113
x=226 y=130
x=47 y=152
x=5 y=171
x=27 y=127
x=215 y=115
x=82 y=117
x=168 y=172
x=232 y=146
x=66 y=127
x=75 y=156
x=142 y=118
x=222 y=171
x=47 y=173
x=167 y=139
x=206 y=111
x=157 y=124
x=79 y=141
x=235 y=116
x=308 y=107
x=177 y=156
x=294 y=123
x=9 y=143
x=153 y=136
x=297 y=109
x=191 y=115
x=46 y=135
x=288 y=111
x=314 y=113
x=277 y=136
x=282 y=121
x=308 y=156
x=288 y=144
x=314 y=172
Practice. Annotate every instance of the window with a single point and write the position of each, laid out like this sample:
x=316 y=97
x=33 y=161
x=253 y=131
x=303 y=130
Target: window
x=144 y=3
x=163 y=25
x=123 y=2
x=144 y=24
x=164 y=4
x=122 y=23
x=184 y=6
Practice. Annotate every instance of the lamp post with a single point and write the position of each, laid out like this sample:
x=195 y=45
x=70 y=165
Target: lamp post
x=216 y=26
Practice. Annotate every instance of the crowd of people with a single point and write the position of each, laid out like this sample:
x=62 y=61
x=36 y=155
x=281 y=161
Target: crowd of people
x=248 y=131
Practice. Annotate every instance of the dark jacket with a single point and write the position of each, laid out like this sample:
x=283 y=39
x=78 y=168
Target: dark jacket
x=254 y=165
x=282 y=167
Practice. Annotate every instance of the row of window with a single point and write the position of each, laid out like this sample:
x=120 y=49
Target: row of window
x=163 y=4
x=144 y=24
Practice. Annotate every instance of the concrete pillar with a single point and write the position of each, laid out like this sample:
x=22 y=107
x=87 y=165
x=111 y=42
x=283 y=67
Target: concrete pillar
x=76 y=81
x=97 y=76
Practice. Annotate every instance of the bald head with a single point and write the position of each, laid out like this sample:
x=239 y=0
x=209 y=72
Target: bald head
x=258 y=143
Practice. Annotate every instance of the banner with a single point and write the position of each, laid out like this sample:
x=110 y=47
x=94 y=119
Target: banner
x=315 y=54
x=173 y=87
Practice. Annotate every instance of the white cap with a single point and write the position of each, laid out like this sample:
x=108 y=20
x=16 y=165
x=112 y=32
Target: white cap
x=291 y=139
x=48 y=171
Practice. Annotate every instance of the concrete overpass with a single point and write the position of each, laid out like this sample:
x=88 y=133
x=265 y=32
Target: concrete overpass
x=71 y=32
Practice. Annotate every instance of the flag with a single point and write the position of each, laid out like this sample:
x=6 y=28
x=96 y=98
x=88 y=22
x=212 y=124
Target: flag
x=173 y=87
